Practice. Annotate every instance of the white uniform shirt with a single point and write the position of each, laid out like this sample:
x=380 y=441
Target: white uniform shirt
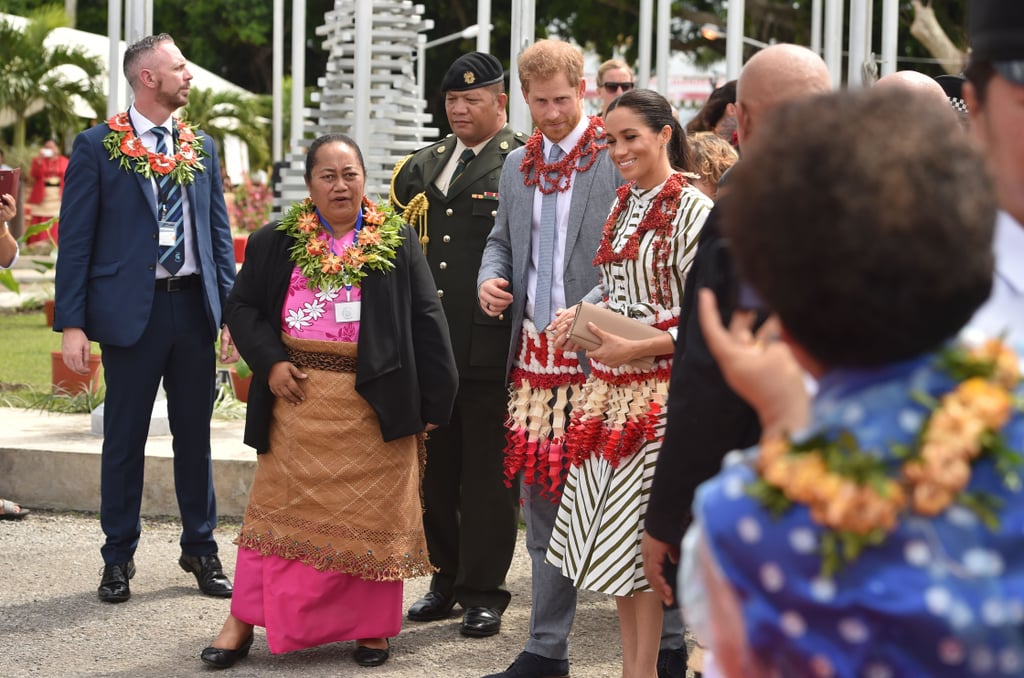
x=1003 y=313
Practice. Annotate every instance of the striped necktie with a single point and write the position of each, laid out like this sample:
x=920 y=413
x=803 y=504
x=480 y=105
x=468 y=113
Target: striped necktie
x=170 y=210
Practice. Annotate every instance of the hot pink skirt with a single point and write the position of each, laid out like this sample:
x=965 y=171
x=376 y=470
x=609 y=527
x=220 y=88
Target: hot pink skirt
x=302 y=607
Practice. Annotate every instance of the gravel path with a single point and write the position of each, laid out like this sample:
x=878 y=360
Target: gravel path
x=52 y=624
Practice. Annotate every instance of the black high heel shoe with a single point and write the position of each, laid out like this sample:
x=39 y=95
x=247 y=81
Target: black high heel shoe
x=371 y=656
x=224 y=659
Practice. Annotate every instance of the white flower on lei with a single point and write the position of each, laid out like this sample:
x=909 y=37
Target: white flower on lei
x=297 y=319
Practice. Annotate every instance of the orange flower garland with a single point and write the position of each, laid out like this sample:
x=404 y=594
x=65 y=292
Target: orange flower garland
x=852 y=494
x=124 y=146
x=375 y=247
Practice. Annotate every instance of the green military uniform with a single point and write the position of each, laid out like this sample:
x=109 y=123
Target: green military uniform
x=470 y=517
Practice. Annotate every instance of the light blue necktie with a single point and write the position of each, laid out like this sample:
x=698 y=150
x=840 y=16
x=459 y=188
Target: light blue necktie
x=548 y=235
x=170 y=208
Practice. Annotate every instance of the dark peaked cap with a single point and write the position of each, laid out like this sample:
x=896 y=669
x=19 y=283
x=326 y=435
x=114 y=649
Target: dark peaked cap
x=473 y=70
x=995 y=30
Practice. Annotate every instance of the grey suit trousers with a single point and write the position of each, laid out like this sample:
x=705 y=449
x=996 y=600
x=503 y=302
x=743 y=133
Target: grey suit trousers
x=554 y=596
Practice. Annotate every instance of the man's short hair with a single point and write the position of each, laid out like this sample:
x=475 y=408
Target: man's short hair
x=867 y=230
x=133 y=56
x=545 y=59
x=610 y=65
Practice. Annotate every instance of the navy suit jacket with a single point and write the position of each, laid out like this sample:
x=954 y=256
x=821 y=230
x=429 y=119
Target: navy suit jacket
x=109 y=249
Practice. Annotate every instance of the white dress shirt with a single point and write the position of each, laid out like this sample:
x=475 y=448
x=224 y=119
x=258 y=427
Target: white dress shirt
x=561 y=228
x=144 y=130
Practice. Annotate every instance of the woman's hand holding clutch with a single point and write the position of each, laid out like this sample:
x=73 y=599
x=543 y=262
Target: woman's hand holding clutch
x=560 y=326
x=614 y=351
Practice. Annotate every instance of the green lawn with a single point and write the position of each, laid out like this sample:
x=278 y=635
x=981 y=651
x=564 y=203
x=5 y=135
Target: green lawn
x=25 y=372
x=25 y=346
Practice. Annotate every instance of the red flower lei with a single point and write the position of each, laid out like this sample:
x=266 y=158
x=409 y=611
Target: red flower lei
x=123 y=146
x=659 y=217
x=537 y=172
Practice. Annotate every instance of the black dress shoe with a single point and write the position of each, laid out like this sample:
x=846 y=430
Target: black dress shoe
x=209 y=574
x=371 y=656
x=530 y=665
x=480 y=622
x=432 y=607
x=220 y=658
x=114 y=582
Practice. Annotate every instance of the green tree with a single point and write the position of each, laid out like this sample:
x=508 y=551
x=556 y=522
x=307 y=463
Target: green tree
x=34 y=77
x=231 y=38
x=223 y=113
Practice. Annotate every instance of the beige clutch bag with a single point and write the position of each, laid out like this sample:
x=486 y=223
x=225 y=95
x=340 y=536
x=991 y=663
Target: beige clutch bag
x=615 y=323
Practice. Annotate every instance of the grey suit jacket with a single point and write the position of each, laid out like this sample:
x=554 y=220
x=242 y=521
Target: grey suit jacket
x=507 y=254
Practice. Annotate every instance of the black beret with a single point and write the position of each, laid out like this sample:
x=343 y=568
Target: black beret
x=995 y=31
x=476 y=69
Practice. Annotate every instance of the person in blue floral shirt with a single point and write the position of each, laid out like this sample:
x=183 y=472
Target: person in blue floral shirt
x=877 y=528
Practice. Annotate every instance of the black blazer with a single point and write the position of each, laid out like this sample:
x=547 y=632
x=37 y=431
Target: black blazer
x=405 y=369
x=706 y=419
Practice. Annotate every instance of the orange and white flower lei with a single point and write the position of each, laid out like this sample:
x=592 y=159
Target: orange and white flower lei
x=374 y=247
x=124 y=146
x=852 y=495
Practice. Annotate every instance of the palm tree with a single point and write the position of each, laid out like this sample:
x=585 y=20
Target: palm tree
x=34 y=77
x=222 y=113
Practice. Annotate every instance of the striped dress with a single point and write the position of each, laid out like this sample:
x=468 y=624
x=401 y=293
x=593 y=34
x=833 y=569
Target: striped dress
x=619 y=417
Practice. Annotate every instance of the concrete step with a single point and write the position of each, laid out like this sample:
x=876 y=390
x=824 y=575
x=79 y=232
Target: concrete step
x=52 y=461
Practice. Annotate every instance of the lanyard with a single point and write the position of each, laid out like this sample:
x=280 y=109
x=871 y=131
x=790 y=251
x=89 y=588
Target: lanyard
x=327 y=225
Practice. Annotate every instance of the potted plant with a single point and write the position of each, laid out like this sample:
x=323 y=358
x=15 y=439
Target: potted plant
x=66 y=381
x=48 y=310
x=241 y=377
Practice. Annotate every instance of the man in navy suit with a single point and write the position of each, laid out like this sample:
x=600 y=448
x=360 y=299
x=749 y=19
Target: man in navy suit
x=146 y=263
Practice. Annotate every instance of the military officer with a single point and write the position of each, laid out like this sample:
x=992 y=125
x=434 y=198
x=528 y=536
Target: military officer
x=449 y=192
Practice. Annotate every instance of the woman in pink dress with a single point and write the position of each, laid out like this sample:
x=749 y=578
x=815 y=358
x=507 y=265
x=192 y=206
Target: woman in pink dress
x=324 y=310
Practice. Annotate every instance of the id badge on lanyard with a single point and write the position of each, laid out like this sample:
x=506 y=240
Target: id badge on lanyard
x=347 y=311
